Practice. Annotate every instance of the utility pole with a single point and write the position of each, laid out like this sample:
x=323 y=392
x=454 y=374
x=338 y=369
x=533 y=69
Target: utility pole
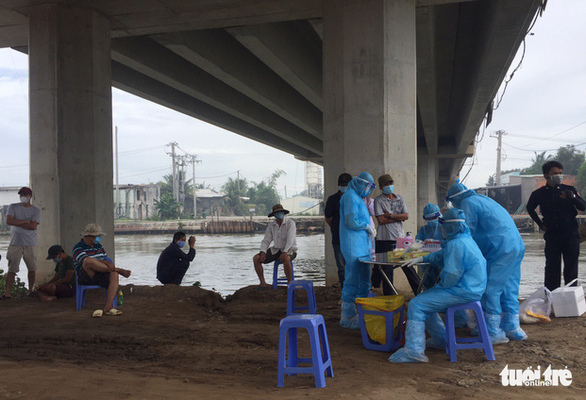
x=499 y=147
x=194 y=190
x=117 y=214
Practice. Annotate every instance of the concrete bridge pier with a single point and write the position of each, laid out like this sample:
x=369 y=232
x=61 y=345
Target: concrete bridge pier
x=370 y=97
x=427 y=178
x=70 y=125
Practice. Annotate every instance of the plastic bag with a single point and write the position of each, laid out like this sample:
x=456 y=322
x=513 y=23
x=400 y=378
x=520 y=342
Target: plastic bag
x=536 y=308
x=376 y=324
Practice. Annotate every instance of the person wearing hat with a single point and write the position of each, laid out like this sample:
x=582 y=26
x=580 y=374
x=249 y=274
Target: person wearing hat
x=23 y=219
x=93 y=267
x=495 y=232
x=332 y=215
x=390 y=211
x=281 y=233
x=462 y=280
x=63 y=282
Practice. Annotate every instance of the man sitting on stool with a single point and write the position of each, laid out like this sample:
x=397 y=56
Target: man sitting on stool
x=281 y=232
x=173 y=262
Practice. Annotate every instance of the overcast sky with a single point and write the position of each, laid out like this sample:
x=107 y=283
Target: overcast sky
x=546 y=97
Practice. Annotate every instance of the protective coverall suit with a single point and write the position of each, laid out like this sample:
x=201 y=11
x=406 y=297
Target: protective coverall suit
x=462 y=280
x=495 y=232
x=355 y=237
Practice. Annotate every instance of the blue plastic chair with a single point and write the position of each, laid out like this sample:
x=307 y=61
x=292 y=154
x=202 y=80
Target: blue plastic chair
x=301 y=285
x=320 y=354
x=281 y=281
x=394 y=336
x=80 y=294
x=480 y=342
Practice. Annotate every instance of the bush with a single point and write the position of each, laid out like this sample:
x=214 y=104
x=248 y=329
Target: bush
x=18 y=289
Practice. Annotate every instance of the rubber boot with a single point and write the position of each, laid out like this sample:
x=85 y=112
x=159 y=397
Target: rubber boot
x=493 y=324
x=414 y=350
x=437 y=331
x=349 y=317
x=510 y=324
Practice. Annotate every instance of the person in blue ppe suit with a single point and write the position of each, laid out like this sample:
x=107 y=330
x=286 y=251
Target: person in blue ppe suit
x=462 y=280
x=431 y=230
x=356 y=235
x=495 y=232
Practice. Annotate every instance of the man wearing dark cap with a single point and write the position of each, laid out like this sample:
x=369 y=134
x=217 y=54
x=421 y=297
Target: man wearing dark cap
x=332 y=214
x=281 y=232
x=63 y=282
x=23 y=219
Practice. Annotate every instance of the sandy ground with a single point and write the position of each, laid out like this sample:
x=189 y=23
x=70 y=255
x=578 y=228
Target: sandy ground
x=181 y=342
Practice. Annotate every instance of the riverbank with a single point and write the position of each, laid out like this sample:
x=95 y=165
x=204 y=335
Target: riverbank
x=221 y=225
x=186 y=342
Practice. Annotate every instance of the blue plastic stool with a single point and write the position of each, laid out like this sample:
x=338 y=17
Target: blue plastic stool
x=320 y=355
x=480 y=342
x=300 y=285
x=394 y=336
x=276 y=279
x=80 y=294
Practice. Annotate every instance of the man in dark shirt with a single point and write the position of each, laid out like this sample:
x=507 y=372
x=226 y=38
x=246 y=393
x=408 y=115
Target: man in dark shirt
x=557 y=204
x=63 y=282
x=332 y=214
x=173 y=262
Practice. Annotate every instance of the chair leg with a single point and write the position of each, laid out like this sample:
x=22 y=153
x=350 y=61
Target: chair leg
x=318 y=369
x=282 y=358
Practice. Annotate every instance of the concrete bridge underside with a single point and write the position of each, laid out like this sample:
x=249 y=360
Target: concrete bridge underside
x=395 y=86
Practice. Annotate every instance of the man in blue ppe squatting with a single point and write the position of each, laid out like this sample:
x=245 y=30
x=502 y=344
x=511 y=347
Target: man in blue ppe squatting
x=462 y=280
x=355 y=236
x=495 y=232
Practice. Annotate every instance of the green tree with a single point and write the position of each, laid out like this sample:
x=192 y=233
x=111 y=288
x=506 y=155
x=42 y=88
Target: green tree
x=537 y=163
x=570 y=158
x=185 y=206
x=235 y=189
x=581 y=179
x=264 y=194
x=167 y=207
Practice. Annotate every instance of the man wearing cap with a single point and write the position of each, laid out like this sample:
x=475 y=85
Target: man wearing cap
x=93 y=267
x=390 y=211
x=281 y=232
x=23 y=219
x=332 y=215
x=63 y=282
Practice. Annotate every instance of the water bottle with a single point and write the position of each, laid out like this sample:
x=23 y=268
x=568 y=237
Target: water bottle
x=120 y=297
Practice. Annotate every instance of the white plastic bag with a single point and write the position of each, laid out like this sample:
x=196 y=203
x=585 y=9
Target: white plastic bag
x=536 y=308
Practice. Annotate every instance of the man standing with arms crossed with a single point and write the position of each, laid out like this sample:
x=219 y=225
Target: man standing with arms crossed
x=23 y=219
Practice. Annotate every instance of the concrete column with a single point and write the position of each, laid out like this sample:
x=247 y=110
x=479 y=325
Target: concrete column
x=70 y=125
x=426 y=184
x=369 y=96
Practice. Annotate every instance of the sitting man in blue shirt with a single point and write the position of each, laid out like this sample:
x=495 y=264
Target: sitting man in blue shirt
x=174 y=262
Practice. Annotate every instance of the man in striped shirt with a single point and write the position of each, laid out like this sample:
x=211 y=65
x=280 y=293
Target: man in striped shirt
x=93 y=267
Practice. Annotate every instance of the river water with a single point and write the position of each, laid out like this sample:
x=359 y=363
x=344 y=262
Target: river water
x=224 y=262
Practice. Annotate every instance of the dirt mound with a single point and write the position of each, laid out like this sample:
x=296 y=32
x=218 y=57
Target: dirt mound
x=206 y=299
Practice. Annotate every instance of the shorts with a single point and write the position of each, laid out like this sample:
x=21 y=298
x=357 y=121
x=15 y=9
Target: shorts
x=101 y=279
x=64 y=290
x=270 y=257
x=15 y=253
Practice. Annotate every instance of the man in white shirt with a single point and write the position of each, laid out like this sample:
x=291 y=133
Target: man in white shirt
x=281 y=232
x=23 y=219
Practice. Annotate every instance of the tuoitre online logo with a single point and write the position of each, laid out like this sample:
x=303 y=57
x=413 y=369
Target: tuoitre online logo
x=534 y=377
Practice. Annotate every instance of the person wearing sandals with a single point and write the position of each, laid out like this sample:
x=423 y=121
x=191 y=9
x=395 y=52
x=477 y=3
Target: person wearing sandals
x=93 y=267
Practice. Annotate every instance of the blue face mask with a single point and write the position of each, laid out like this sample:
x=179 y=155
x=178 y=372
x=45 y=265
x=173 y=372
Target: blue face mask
x=98 y=239
x=343 y=188
x=388 y=189
x=280 y=215
x=432 y=223
x=56 y=260
x=365 y=192
x=181 y=243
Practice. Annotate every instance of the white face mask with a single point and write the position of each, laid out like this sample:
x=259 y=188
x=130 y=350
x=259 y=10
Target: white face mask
x=24 y=199
x=556 y=179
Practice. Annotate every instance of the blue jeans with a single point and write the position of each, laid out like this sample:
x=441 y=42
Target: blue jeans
x=340 y=262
